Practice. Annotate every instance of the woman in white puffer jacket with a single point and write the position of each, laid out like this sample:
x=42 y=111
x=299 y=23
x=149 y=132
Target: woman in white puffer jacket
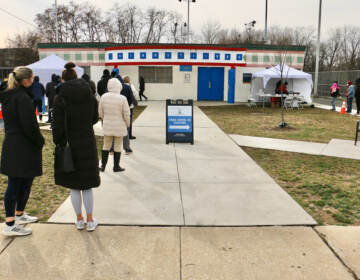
x=115 y=113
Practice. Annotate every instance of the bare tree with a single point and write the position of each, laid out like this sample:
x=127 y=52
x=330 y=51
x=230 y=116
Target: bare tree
x=210 y=32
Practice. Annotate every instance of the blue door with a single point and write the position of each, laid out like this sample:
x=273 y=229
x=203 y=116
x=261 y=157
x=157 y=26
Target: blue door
x=211 y=83
x=231 y=87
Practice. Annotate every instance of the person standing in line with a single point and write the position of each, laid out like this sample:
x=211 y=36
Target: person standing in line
x=38 y=91
x=334 y=92
x=50 y=94
x=102 y=84
x=75 y=101
x=21 y=157
x=357 y=96
x=91 y=83
x=132 y=106
x=142 y=88
x=115 y=74
x=127 y=92
x=115 y=113
x=350 y=96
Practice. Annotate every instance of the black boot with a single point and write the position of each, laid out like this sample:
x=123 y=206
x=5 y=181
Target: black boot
x=117 y=167
x=104 y=159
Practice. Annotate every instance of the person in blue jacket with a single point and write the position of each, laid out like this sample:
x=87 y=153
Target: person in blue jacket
x=38 y=92
x=350 y=96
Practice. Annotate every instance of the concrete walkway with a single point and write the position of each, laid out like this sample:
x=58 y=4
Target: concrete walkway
x=210 y=183
x=335 y=148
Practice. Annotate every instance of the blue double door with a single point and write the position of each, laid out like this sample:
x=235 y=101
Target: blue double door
x=211 y=83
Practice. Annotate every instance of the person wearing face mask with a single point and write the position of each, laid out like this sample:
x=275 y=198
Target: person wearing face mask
x=21 y=157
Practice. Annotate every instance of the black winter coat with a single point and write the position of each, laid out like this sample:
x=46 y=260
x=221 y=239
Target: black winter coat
x=82 y=114
x=127 y=92
x=21 y=155
x=357 y=88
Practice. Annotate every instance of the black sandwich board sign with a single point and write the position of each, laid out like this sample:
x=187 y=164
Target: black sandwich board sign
x=179 y=121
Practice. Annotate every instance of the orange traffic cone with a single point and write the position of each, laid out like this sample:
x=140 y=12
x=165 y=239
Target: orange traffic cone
x=343 y=109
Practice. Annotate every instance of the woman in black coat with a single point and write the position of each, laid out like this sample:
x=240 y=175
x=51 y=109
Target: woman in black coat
x=21 y=157
x=75 y=98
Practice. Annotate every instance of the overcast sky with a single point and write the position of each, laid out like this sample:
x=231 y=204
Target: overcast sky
x=230 y=13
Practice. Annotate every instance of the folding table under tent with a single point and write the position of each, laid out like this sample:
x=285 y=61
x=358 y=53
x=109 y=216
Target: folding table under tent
x=264 y=82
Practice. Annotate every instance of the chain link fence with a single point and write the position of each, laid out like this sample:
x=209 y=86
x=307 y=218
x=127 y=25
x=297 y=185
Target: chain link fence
x=326 y=79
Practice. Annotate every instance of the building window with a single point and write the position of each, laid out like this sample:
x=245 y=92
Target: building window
x=90 y=57
x=193 y=55
x=266 y=58
x=227 y=56
x=110 y=56
x=181 y=55
x=239 y=56
x=277 y=59
x=102 y=57
x=155 y=55
x=217 y=56
x=79 y=58
x=42 y=56
x=156 y=74
x=254 y=58
x=289 y=59
x=66 y=56
x=131 y=55
x=205 y=55
x=143 y=55
x=247 y=78
x=300 y=59
x=167 y=55
x=120 y=55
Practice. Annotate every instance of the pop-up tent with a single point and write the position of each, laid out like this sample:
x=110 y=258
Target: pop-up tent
x=265 y=81
x=51 y=65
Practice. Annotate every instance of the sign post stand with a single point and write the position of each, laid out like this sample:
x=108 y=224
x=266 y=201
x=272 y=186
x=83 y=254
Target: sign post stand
x=179 y=121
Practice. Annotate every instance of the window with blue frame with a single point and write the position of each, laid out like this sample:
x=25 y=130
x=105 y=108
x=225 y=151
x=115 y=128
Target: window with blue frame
x=143 y=55
x=227 y=56
x=180 y=55
x=110 y=56
x=155 y=55
x=217 y=56
x=120 y=56
x=239 y=57
x=205 y=55
x=131 y=55
x=167 y=55
x=193 y=55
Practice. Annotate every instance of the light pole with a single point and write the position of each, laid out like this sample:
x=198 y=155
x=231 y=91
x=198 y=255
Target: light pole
x=188 y=18
x=318 y=53
x=56 y=23
x=266 y=13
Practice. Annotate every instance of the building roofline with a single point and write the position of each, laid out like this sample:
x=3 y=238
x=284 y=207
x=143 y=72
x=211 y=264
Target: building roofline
x=103 y=45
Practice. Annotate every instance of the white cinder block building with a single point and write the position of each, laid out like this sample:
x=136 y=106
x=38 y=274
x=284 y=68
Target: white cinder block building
x=199 y=72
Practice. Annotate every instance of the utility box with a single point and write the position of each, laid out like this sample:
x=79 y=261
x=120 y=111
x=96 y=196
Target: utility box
x=179 y=121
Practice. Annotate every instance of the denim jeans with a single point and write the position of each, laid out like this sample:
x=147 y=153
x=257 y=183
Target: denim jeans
x=349 y=104
x=333 y=99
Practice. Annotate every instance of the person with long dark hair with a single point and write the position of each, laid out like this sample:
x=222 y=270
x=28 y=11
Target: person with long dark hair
x=75 y=101
x=21 y=157
x=357 y=96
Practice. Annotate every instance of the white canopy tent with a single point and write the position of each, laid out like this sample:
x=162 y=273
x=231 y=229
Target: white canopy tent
x=51 y=65
x=265 y=81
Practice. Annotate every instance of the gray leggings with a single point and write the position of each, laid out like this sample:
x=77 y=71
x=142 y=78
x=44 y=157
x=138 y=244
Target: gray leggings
x=88 y=199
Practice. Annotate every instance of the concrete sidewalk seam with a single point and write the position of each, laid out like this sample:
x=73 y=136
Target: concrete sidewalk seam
x=180 y=191
x=180 y=254
x=7 y=245
x=322 y=237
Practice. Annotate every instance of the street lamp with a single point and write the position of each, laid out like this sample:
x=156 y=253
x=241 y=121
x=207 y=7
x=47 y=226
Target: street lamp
x=188 y=19
x=317 y=53
x=266 y=14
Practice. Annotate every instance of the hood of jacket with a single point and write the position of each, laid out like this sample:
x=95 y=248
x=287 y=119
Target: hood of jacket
x=114 y=85
x=76 y=91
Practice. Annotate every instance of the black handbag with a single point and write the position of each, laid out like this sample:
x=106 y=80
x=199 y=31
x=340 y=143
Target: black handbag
x=64 y=162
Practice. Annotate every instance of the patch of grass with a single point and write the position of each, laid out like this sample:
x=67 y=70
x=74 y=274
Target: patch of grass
x=45 y=196
x=308 y=124
x=328 y=188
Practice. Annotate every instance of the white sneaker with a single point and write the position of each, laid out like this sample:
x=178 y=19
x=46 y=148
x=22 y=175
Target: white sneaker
x=80 y=224
x=25 y=219
x=15 y=230
x=91 y=226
